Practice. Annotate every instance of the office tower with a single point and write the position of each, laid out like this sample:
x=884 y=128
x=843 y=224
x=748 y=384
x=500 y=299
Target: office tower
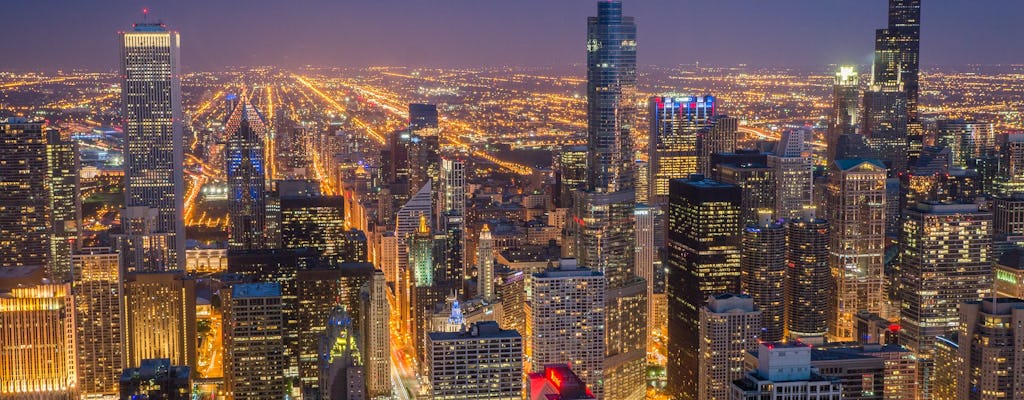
x=565 y=321
x=718 y=137
x=65 y=202
x=422 y=116
x=452 y=217
x=884 y=125
x=856 y=208
x=24 y=217
x=316 y=222
x=897 y=49
x=808 y=278
x=730 y=325
x=947 y=364
x=646 y=259
x=156 y=379
x=794 y=172
x=1011 y=164
x=1009 y=274
x=844 y=118
x=703 y=260
x=570 y=165
x=763 y=274
x=245 y=167
x=944 y=262
x=421 y=255
x=424 y=159
x=388 y=256
x=991 y=346
x=641 y=181
x=968 y=139
x=556 y=382
x=142 y=248
x=672 y=147
x=511 y=288
x=483 y=362
x=342 y=374
x=784 y=372
x=38 y=349
x=153 y=143
x=97 y=291
x=376 y=336
x=254 y=364
x=485 y=265
x=159 y=318
x=758 y=188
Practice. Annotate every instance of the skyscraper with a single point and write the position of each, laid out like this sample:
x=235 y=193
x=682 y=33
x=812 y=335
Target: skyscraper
x=794 y=172
x=156 y=379
x=763 y=267
x=784 y=372
x=451 y=217
x=97 y=290
x=160 y=318
x=565 y=321
x=672 y=148
x=808 y=278
x=153 y=148
x=422 y=116
x=730 y=326
x=884 y=125
x=944 y=261
x=65 y=202
x=967 y=139
x=991 y=346
x=845 y=107
x=37 y=325
x=316 y=222
x=718 y=137
x=254 y=364
x=703 y=260
x=245 y=167
x=24 y=217
x=856 y=208
x=603 y=212
x=758 y=185
x=376 y=336
x=897 y=50
x=342 y=373
x=483 y=362
x=647 y=259
x=485 y=265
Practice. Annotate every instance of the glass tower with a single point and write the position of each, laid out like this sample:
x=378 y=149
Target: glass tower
x=244 y=160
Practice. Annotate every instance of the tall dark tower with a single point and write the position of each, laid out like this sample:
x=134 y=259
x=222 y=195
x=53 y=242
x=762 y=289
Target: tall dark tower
x=244 y=159
x=897 y=53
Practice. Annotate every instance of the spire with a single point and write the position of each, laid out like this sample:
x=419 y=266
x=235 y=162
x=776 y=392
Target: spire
x=423 y=229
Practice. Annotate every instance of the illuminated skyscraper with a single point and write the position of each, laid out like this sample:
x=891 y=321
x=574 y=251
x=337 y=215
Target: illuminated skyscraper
x=98 y=329
x=991 y=344
x=967 y=139
x=565 y=321
x=65 y=202
x=160 y=318
x=672 y=147
x=451 y=217
x=1011 y=165
x=245 y=167
x=37 y=353
x=808 y=278
x=718 y=137
x=570 y=166
x=845 y=105
x=156 y=379
x=730 y=325
x=316 y=222
x=945 y=261
x=376 y=336
x=794 y=172
x=758 y=186
x=763 y=266
x=703 y=260
x=422 y=116
x=897 y=50
x=647 y=260
x=24 y=216
x=483 y=362
x=485 y=265
x=153 y=149
x=254 y=364
x=884 y=125
x=856 y=209
x=342 y=373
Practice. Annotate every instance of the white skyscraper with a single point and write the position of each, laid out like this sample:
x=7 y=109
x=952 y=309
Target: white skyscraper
x=485 y=265
x=795 y=174
x=729 y=327
x=153 y=148
x=565 y=322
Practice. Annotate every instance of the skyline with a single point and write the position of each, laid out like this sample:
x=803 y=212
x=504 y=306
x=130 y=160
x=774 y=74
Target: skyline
x=465 y=33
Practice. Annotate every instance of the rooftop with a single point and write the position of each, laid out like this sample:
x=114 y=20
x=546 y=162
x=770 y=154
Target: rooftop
x=251 y=290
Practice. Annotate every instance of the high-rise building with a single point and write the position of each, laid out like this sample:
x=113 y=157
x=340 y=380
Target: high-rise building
x=730 y=325
x=784 y=372
x=884 y=125
x=719 y=136
x=897 y=50
x=342 y=374
x=24 y=217
x=703 y=260
x=316 y=222
x=97 y=291
x=808 y=278
x=968 y=139
x=856 y=208
x=511 y=288
x=758 y=186
x=794 y=173
x=156 y=379
x=944 y=262
x=1011 y=164
x=153 y=142
x=483 y=362
x=991 y=346
x=647 y=259
x=376 y=336
x=763 y=273
x=1009 y=274
x=62 y=162
x=422 y=116
x=159 y=318
x=245 y=166
x=254 y=364
x=675 y=122
x=485 y=265
x=451 y=217
x=565 y=321
x=556 y=382
x=37 y=354
x=845 y=107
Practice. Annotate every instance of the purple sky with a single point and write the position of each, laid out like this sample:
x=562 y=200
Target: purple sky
x=49 y=34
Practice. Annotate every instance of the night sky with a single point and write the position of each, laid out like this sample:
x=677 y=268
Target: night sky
x=51 y=34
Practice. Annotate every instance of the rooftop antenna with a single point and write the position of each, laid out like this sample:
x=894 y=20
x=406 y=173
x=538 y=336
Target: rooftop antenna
x=145 y=15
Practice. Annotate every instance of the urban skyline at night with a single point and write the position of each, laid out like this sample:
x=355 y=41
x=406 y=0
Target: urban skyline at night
x=342 y=201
